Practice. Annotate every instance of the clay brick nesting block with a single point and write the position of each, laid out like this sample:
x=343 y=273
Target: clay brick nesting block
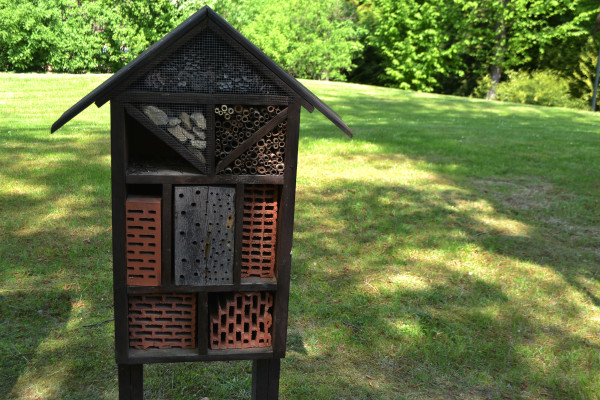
x=162 y=321
x=143 y=240
x=259 y=231
x=241 y=321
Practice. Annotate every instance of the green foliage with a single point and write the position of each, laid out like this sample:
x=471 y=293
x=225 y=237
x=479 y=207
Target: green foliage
x=79 y=36
x=415 y=40
x=425 y=44
x=309 y=39
x=582 y=84
x=544 y=88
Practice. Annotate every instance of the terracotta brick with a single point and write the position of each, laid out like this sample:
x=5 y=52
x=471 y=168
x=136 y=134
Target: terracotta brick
x=143 y=230
x=259 y=231
x=242 y=320
x=162 y=321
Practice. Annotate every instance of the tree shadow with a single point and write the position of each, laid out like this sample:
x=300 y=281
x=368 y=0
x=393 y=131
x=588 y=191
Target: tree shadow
x=363 y=271
x=27 y=317
x=55 y=264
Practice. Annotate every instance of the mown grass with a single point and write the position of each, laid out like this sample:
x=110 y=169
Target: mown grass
x=450 y=250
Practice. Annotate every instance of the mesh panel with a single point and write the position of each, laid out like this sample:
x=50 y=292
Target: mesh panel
x=182 y=126
x=207 y=64
x=234 y=124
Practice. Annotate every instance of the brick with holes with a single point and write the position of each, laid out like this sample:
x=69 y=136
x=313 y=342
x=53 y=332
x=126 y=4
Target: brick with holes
x=143 y=230
x=259 y=231
x=162 y=321
x=241 y=320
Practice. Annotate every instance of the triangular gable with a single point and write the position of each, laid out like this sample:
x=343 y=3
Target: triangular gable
x=207 y=64
x=158 y=52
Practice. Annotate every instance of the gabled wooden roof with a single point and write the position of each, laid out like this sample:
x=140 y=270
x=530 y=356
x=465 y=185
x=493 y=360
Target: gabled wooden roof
x=121 y=79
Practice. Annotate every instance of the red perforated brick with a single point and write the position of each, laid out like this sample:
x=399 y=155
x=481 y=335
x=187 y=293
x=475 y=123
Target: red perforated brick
x=259 y=231
x=241 y=321
x=162 y=321
x=143 y=240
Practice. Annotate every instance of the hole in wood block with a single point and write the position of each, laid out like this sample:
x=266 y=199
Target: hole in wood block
x=199 y=217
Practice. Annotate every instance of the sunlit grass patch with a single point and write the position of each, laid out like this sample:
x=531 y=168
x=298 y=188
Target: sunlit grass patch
x=449 y=250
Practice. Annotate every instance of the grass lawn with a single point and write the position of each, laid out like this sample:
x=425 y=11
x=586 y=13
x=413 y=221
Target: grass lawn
x=451 y=250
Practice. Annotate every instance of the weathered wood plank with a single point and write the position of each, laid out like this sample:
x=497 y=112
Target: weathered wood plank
x=220 y=230
x=204 y=235
x=190 y=234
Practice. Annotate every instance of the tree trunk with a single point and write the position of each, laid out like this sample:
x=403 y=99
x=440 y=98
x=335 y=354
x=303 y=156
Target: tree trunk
x=499 y=49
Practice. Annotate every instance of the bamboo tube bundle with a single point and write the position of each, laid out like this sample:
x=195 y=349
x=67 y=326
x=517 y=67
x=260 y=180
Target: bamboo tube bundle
x=235 y=124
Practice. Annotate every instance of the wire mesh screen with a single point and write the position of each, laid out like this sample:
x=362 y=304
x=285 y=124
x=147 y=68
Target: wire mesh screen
x=181 y=126
x=207 y=64
x=235 y=124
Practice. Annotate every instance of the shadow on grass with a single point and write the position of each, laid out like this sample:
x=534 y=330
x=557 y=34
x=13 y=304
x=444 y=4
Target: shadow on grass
x=27 y=317
x=382 y=274
x=54 y=264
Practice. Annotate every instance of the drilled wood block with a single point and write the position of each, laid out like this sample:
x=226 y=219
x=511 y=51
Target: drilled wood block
x=162 y=321
x=143 y=235
x=241 y=320
x=204 y=239
x=259 y=231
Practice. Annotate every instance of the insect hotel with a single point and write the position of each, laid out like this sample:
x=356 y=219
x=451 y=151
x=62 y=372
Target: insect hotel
x=204 y=143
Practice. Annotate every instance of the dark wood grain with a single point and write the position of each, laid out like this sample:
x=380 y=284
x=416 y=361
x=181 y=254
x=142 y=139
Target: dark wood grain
x=131 y=382
x=285 y=228
x=246 y=285
x=239 y=225
x=167 y=230
x=265 y=379
x=179 y=178
x=209 y=99
x=119 y=194
x=202 y=321
x=152 y=356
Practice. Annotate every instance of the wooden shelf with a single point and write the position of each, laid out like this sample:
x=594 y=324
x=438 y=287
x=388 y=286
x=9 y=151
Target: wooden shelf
x=182 y=176
x=253 y=285
x=185 y=355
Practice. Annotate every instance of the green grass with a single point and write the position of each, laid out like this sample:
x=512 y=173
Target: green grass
x=451 y=250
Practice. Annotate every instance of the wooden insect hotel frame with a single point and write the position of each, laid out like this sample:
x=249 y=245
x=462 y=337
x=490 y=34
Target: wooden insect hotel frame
x=204 y=143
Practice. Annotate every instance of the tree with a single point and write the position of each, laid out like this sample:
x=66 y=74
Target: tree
x=424 y=42
x=79 y=36
x=309 y=39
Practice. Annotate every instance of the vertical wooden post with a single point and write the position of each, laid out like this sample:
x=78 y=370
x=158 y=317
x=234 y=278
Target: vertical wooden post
x=131 y=382
x=265 y=379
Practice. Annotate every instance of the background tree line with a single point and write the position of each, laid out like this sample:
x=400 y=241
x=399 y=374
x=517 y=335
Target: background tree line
x=535 y=51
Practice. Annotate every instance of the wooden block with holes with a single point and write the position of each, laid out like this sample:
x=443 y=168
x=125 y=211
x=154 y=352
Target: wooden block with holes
x=143 y=231
x=204 y=235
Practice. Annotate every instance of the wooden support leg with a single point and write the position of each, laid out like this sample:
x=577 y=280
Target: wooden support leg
x=265 y=379
x=131 y=382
